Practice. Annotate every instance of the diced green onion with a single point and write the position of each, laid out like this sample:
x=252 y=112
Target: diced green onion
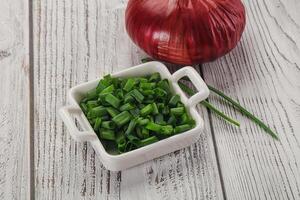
x=155 y=109
x=128 y=98
x=154 y=77
x=126 y=106
x=160 y=92
x=160 y=106
x=122 y=118
x=131 y=126
x=97 y=124
x=147 y=110
x=108 y=125
x=104 y=117
x=107 y=134
x=139 y=132
x=145 y=132
x=129 y=85
x=91 y=104
x=172 y=120
x=166 y=110
x=148 y=141
x=104 y=83
x=174 y=100
x=112 y=111
x=167 y=130
x=92 y=95
x=137 y=95
x=112 y=100
x=148 y=92
x=120 y=137
x=159 y=119
x=108 y=90
x=177 y=111
x=97 y=112
x=153 y=127
x=182 y=128
x=135 y=112
x=147 y=86
x=121 y=147
x=164 y=84
x=142 y=121
x=184 y=119
x=84 y=108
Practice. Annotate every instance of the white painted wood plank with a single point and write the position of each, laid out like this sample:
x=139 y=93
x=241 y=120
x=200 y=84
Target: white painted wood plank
x=263 y=74
x=76 y=41
x=14 y=90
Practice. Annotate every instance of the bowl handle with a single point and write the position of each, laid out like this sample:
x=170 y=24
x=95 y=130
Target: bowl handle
x=66 y=114
x=197 y=81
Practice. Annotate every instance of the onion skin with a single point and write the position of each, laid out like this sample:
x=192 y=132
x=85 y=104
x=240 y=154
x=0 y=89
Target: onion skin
x=185 y=32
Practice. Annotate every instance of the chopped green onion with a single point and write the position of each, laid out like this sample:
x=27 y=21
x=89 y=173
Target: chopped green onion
x=112 y=100
x=108 y=90
x=128 y=98
x=120 y=137
x=164 y=84
x=160 y=92
x=108 y=125
x=172 y=120
x=112 y=111
x=129 y=85
x=147 y=110
x=97 y=124
x=147 y=86
x=97 y=112
x=182 y=128
x=131 y=127
x=91 y=104
x=166 y=110
x=127 y=106
x=84 y=108
x=155 y=109
x=174 y=100
x=148 y=93
x=167 y=130
x=142 y=122
x=137 y=95
x=145 y=132
x=135 y=112
x=92 y=95
x=154 y=77
x=122 y=118
x=148 y=141
x=104 y=117
x=159 y=119
x=153 y=127
x=107 y=134
x=177 y=111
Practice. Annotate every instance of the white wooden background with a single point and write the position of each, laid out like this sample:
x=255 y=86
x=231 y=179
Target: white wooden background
x=79 y=40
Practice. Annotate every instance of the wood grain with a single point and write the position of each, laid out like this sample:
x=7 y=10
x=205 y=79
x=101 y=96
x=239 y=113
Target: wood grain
x=77 y=41
x=14 y=109
x=263 y=74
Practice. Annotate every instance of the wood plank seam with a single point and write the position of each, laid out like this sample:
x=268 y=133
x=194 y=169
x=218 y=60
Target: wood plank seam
x=31 y=102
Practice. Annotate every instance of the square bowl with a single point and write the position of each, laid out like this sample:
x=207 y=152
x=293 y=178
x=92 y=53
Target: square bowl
x=149 y=152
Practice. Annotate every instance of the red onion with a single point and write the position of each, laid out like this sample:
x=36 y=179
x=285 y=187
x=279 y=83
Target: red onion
x=185 y=31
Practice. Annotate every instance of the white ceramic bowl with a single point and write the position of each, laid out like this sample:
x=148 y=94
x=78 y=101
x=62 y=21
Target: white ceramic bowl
x=138 y=156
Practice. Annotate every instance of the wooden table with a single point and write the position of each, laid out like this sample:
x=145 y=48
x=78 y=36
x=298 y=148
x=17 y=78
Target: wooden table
x=46 y=47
